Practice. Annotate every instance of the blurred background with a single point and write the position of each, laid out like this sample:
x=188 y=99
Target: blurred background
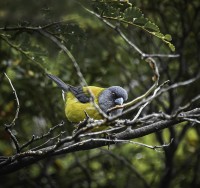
x=105 y=60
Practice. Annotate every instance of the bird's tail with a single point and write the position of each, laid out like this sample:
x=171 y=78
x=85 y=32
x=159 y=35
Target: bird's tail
x=59 y=82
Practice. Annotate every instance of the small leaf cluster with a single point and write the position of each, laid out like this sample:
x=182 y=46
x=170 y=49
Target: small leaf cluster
x=125 y=13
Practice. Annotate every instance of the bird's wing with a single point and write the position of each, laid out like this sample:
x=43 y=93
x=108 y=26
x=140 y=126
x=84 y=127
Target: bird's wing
x=80 y=94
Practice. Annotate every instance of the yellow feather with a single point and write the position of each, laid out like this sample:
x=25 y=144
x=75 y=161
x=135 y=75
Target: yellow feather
x=74 y=109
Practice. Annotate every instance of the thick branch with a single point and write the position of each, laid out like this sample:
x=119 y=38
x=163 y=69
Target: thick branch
x=86 y=145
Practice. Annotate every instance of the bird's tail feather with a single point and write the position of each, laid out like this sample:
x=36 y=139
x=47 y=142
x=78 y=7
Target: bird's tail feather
x=59 y=82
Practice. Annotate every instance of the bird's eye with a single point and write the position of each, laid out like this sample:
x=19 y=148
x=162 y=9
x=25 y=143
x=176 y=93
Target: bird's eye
x=113 y=94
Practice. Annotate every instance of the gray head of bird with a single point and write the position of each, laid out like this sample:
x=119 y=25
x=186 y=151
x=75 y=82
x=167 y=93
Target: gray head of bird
x=112 y=97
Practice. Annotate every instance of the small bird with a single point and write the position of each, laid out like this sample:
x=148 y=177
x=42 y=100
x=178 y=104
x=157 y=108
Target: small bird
x=78 y=100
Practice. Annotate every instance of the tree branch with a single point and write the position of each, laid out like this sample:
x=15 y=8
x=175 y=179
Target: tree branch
x=122 y=35
x=28 y=158
x=17 y=101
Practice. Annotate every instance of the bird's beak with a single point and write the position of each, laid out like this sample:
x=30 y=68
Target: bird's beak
x=119 y=101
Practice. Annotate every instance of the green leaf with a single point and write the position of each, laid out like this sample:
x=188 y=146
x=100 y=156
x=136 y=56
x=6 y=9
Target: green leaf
x=151 y=27
x=112 y=12
x=159 y=35
x=140 y=21
x=168 y=37
x=111 y=8
x=132 y=13
x=172 y=47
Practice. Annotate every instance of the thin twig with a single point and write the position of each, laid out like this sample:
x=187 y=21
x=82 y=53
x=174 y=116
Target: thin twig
x=155 y=78
x=14 y=139
x=34 y=138
x=27 y=143
x=161 y=91
x=179 y=84
x=107 y=131
x=192 y=120
x=144 y=105
x=19 y=49
x=17 y=101
x=49 y=140
x=25 y=28
x=91 y=125
x=8 y=127
x=145 y=145
x=110 y=141
x=69 y=54
x=185 y=107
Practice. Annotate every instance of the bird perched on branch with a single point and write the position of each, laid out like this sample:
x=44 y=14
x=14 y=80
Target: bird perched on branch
x=80 y=101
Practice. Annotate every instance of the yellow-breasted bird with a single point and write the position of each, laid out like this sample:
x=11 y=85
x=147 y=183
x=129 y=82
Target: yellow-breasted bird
x=78 y=100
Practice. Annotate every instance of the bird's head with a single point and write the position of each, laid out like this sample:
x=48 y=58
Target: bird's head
x=111 y=97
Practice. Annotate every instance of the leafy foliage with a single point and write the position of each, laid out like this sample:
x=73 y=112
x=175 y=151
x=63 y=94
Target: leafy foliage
x=126 y=13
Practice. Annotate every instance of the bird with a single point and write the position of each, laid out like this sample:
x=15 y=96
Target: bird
x=79 y=103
